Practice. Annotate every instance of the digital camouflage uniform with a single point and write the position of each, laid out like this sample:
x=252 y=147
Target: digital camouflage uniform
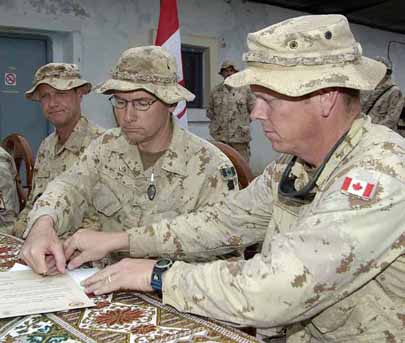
x=110 y=179
x=337 y=264
x=52 y=160
x=229 y=114
x=332 y=266
x=384 y=104
x=9 y=206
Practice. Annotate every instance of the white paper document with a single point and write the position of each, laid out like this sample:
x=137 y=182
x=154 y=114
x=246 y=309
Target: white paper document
x=24 y=292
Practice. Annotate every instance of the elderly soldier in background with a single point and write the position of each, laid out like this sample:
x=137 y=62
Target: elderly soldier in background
x=144 y=171
x=9 y=206
x=228 y=111
x=384 y=104
x=59 y=89
x=331 y=208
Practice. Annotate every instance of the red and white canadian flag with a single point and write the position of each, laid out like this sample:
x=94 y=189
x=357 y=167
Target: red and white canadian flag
x=364 y=189
x=168 y=37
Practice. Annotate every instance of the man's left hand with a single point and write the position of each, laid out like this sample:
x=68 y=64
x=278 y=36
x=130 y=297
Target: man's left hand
x=131 y=274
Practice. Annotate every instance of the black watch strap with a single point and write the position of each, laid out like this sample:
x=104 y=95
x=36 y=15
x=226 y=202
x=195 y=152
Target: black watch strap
x=157 y=274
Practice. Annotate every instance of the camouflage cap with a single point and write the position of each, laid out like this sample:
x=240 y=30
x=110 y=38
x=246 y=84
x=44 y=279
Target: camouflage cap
x=304 y=54
x=226 y=64
x=61 y=76
x=149 y=68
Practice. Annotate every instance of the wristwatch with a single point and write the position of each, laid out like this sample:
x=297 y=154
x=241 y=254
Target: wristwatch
x=159 y=268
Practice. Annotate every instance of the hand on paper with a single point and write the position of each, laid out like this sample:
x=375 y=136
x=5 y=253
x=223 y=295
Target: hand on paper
x=132 y=274
x=42 y=249
x=89 y=245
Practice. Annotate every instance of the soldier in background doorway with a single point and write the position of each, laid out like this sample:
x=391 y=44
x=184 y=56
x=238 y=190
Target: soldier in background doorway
x=228 y=111
x=384 y=104
x=59 y=89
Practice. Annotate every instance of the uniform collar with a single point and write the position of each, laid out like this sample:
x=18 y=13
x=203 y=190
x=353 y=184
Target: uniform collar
x=75 y=140
x=173 y=160
x=351 y=140
x=304 y=173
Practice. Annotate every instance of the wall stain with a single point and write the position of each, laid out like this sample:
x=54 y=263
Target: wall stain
x=58 y=7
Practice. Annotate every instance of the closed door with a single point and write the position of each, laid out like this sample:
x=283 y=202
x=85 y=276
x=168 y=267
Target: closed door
x=20 y=57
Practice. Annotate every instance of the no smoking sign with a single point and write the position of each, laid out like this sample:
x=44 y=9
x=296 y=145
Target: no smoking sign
x=10 y=79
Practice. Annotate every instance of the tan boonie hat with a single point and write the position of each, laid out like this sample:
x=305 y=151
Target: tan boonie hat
x=149 y=68
x=384 y=60
x=301 y=55
x=226 y=64
x=61 y=76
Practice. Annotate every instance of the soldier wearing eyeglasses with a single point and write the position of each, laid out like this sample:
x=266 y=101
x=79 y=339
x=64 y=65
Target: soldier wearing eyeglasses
x=146 y=170
x=330 y=209
x=59 y=89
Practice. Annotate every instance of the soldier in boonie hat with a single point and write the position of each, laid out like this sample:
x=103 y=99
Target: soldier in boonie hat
x=227 y=68
x=59 y=89
x=150 y=68
x=146 y=169
x=61 y=76
x=329 y=210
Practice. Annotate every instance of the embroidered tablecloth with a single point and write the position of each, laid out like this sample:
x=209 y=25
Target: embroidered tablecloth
x=119 y=317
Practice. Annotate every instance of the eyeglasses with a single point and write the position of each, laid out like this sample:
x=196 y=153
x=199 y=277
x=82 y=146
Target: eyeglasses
x=138 y=104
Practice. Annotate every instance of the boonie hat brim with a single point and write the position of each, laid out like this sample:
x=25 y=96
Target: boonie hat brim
x=169 y=94
x=299 y=80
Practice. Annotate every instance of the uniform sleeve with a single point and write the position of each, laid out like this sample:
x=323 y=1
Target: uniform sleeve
x=67 y=197
x=8 y=194
x=331 y=252
x=394 y=102
x=237 y=221
x=210 y=109
x=216 y=186
x=251 y=100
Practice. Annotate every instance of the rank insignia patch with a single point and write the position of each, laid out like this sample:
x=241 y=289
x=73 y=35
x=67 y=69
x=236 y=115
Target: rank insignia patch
x=229 y=175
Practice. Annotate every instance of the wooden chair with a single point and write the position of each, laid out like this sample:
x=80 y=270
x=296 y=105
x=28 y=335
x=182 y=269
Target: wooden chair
x=243 y=170
x=18 y=147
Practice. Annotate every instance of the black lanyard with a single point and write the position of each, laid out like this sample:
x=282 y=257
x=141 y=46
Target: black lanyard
x=286 y=187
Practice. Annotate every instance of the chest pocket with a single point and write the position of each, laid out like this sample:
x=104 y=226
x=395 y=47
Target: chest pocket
x=105 y=200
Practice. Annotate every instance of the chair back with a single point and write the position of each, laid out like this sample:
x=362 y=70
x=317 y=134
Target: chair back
x=18 y=147
x=245 y=175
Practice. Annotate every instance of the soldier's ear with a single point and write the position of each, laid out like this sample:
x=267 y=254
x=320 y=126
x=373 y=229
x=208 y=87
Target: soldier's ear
x=172 y=107
x=327 y=100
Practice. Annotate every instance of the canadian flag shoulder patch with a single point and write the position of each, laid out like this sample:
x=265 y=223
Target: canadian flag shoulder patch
x=364 y=187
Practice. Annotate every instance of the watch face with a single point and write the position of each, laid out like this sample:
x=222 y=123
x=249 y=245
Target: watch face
x=164 y=263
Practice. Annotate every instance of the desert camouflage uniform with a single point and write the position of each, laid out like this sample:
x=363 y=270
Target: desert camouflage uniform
x=384 y=104
x=335 y=264
x=228 y=111
x=53 y=159
x=110 y=179
x=9 y=206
